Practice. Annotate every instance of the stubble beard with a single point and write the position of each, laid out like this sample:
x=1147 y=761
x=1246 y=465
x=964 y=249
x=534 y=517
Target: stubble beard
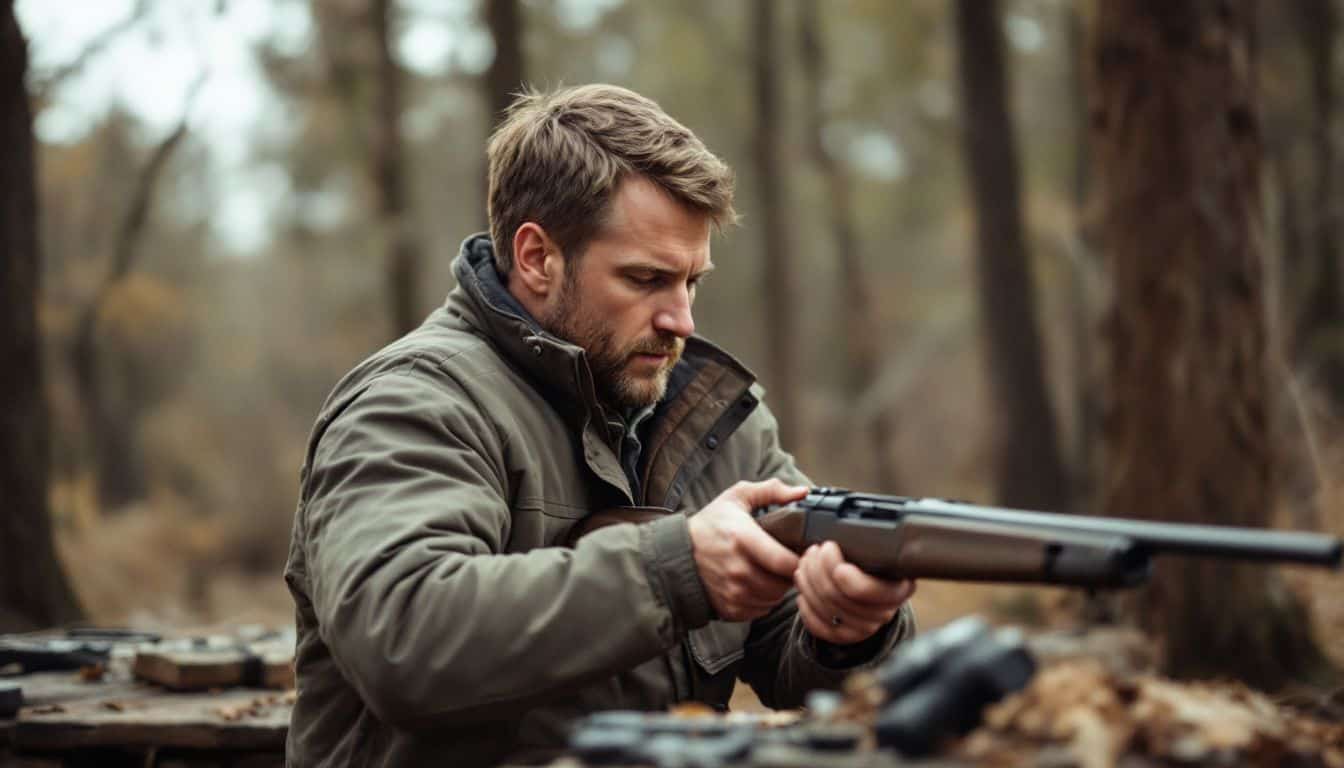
x=615 y=384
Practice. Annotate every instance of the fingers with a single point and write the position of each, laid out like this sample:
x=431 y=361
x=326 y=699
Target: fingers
x=821 y=626
x=744 y=583
x=753 y=540
x=860 y=587
x=854 y=585
x=763 y=583
x=815 y=579
x=830 y=588
x=762 y=549
x=744 y=570
x=816 y=625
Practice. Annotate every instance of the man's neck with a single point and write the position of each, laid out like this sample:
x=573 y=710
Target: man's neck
x=528 y=300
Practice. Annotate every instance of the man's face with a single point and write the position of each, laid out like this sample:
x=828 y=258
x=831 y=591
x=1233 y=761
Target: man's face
x=627 y=300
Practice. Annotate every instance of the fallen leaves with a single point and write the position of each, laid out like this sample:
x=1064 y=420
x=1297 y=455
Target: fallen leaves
x=1100 y=719
x=258 y=707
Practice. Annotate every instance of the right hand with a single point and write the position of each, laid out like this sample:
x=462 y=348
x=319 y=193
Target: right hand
x=745 y=571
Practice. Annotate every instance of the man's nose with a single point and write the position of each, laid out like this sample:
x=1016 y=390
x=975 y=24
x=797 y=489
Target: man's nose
x=675 y=316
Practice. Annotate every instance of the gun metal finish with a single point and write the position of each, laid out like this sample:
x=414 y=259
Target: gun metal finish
x=1154 y=537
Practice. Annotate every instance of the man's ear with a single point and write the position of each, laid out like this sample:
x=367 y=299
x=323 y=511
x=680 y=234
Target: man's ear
x=538 y=265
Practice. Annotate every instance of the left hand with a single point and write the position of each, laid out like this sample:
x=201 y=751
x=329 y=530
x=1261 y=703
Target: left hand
x=840 y=603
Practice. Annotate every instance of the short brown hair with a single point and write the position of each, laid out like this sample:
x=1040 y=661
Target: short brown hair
x=558 y=157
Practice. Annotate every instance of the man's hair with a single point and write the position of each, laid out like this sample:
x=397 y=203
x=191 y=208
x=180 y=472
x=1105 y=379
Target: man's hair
x=558 y=158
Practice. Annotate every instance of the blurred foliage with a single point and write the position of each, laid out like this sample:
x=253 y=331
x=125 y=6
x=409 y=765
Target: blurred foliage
x=228 y=357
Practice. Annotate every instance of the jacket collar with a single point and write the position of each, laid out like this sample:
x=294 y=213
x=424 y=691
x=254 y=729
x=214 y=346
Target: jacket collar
x=556 y=367
x=707 y=397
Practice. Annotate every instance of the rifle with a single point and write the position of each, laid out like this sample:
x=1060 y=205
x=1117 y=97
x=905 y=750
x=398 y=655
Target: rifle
x=900 y=537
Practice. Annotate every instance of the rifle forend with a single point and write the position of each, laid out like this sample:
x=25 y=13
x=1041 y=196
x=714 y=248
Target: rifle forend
x=899 y=537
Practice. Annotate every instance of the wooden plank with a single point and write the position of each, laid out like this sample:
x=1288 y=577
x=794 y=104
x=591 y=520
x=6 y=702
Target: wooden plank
x=51 y=688
x=107 y=709
x=202 y=670
x=239 y=719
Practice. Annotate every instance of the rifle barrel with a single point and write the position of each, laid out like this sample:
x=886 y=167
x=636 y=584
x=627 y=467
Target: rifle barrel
x=1156 y=537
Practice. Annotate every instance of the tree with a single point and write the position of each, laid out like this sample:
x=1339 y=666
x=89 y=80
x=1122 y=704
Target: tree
x=366 y=84
x=33 y=589
x=504 y=77
x=1186 y=427
x=1319 y=323
x=387 y=169
x=776 y=237
x=112 y=428
x=1085 y=270
x=1029 y=472
x=861 y=326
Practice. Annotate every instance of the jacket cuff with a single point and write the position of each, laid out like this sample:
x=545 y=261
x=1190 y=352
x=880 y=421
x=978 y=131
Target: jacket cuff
x=666 y=546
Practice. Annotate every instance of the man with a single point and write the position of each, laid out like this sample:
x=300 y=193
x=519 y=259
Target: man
x=446 y=608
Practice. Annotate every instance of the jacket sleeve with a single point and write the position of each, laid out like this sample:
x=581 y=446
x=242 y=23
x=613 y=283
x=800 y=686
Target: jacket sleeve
x=407 y=514
x=783 y=661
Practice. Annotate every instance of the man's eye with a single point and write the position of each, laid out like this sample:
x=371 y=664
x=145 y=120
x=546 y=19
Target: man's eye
x=644 y=281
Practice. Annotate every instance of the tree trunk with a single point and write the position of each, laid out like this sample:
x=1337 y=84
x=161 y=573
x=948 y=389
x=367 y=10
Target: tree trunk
x=1320 y=320
x=862 y=330
x=401 y=257
x=781 y=337
x=33 y=589
x=505 y=76
x=1030 y=473
x=1084 y=269
x=1186 y=427
x=112 y=428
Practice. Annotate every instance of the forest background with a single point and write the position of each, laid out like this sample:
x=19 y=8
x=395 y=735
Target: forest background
x=237 y=200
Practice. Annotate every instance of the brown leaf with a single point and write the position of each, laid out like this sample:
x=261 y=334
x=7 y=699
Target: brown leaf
x=231 y=713
x=45 y=709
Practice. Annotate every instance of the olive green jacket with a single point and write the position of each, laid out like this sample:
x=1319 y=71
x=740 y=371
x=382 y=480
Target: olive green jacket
x=441 y=619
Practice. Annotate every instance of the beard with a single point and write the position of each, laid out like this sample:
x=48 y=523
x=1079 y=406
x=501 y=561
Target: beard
x=616 y=383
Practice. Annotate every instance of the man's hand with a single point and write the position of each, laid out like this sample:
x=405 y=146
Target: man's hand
x=745 y=571
x=840 y=603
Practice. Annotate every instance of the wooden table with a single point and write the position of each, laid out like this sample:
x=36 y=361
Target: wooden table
x=116 y=720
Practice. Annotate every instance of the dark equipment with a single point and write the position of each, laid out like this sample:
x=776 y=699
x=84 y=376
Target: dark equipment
x=934 y=688
x=11 y=698
x=666 y=741
x=671 y=741
x=939 y=686
x=74 y=649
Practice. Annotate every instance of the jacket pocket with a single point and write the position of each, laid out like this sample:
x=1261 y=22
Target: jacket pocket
x=718 y=644
x=558 y=519
x=716 y=650
x=562 y=510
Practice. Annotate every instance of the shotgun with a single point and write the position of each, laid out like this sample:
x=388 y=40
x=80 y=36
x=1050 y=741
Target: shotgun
x=900 y=537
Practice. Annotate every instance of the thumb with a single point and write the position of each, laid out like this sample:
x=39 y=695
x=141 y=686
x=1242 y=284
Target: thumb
x=766 y=493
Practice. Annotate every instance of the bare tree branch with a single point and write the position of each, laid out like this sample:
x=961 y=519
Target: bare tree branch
x=114 y=458
x=137 y=213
